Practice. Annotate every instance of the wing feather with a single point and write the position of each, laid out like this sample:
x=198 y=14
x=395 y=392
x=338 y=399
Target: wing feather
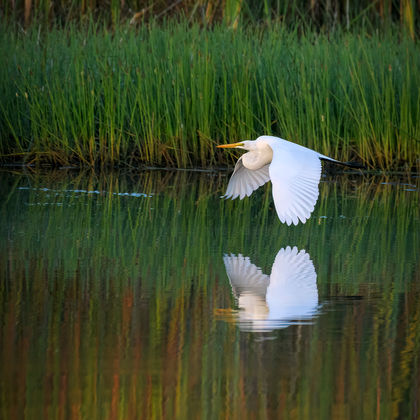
x=245 y=276
x=295 y=177
x=293 y=292
x=244 y=182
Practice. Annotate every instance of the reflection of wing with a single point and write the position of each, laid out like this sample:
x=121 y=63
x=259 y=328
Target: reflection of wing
x=249 y=285
x=268 y=303
x=295 y=176
x=292 y=293
x=245 y=276
x=244 y=181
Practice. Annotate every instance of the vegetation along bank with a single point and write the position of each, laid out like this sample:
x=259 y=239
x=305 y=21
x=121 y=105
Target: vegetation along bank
x=165 y=93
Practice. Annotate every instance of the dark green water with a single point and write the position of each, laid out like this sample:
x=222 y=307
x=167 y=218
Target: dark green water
x=145 y=296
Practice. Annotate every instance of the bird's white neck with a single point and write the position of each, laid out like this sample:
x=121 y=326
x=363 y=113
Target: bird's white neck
x=258 y=157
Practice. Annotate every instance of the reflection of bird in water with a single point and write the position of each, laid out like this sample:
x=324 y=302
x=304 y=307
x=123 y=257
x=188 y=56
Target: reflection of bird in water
x=265 y=302
x=294 y=171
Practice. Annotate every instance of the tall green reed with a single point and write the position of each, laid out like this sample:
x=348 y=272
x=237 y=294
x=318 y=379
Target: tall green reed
x=325 y=15
x=92 y=97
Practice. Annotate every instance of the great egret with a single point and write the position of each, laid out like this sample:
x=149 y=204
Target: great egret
x=294 y=171
x=288 y=295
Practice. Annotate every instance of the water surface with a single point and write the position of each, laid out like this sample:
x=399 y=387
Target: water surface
x=145 y=295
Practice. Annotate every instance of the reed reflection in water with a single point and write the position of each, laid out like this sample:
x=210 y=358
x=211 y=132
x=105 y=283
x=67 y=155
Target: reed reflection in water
x=111 y=289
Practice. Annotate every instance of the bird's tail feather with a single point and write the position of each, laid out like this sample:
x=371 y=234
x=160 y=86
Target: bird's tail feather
x=349 y=164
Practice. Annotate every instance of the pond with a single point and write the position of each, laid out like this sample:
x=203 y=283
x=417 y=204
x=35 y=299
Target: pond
x=145 y=295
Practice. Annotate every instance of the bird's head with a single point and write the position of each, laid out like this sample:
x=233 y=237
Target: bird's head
x=246 y=145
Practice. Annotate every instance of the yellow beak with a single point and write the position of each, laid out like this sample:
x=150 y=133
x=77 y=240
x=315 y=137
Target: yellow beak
x=229 y=146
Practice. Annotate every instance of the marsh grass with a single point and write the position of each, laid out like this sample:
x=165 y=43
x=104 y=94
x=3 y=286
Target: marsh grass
x=166 y=94
x=324 y=15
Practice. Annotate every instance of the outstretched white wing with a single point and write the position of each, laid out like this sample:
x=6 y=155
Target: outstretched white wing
x=244 y=181
x=245 y=276
x=292 y=293
x=266 y=302
x=249 y=286
x=295 y=173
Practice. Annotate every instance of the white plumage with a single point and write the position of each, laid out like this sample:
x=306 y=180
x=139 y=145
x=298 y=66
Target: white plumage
x=288 y=295
x=294 y=172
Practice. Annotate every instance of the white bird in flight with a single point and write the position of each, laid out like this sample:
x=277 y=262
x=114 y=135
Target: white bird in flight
x=287 y=296
x=294 y=171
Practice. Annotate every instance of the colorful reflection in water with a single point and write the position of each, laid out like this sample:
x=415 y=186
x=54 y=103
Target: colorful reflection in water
x=146 y=296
